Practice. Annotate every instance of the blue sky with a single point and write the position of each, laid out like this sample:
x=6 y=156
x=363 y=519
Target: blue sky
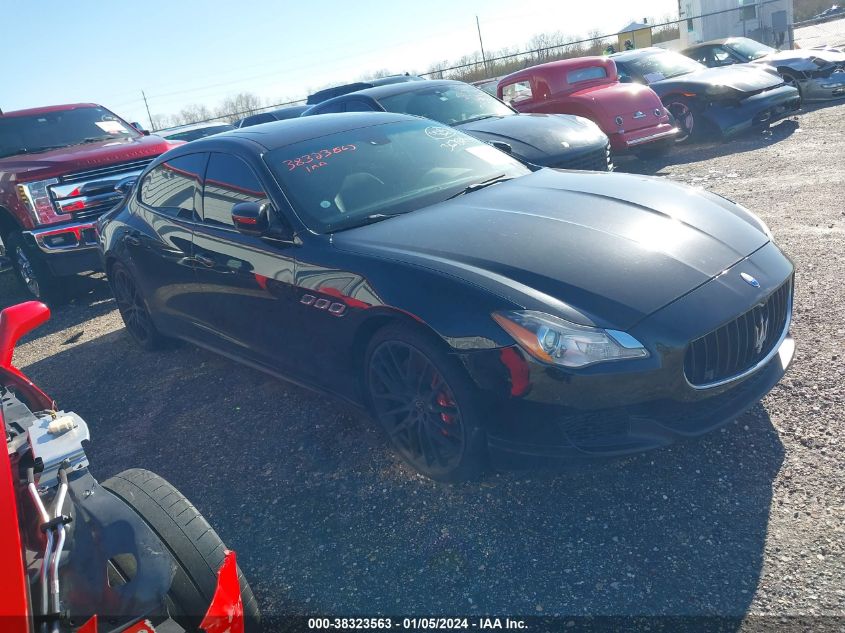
x=182 y=52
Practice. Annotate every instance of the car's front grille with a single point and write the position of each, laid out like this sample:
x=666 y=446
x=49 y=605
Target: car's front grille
x=595 y=160
x=87 y=195
x=740 y=344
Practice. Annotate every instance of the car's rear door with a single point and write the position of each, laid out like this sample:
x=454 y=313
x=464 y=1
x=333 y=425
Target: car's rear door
x=158 y=240
x=247 y=281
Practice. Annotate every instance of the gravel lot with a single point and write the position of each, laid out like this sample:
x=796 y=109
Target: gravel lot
x=749 y=520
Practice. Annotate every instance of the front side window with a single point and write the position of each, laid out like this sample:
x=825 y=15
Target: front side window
x=173 y=187
x=364 y=175
x=228 y=181
x=449 y=104
x=516 y=92
x=748 y=49
x=61 y=128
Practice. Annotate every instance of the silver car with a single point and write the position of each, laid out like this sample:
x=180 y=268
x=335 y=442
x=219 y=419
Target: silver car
x=818 y=73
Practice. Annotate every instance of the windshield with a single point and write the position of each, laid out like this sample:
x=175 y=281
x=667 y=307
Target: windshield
x=355 y=177
x=61 y=128
x=749 y=49
x=196 y=133
x=664 y=65
x=450 y=104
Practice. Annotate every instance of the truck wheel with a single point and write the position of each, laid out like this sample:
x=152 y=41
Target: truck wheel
x=31 y=272
x=195 y=546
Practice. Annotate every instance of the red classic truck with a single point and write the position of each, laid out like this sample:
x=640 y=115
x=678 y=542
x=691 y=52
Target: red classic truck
x=59 y=170
x=631 y=115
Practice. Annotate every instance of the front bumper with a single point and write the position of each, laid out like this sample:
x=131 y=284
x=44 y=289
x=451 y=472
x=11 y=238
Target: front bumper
x=824 y=88
x=754 y=112
x=626 y=141
x=550 y=435
x=67 y=249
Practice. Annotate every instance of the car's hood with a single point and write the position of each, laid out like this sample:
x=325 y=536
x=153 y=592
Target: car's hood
x=802 y=59
x=603 y=249
x=27 y=167
x=740 y=77
x=544 y=139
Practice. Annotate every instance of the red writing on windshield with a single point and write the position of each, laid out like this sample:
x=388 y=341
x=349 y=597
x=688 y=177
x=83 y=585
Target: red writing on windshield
x=317 y=159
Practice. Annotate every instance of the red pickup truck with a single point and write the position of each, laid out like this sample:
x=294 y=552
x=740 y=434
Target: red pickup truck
x=60 y=167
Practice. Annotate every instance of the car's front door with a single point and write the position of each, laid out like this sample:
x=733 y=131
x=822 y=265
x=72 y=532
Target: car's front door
x=158 y=240
x=247 y=281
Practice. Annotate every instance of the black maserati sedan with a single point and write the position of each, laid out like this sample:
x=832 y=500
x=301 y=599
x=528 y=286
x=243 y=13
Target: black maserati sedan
x=482 y=311
x=710 y=103
x=550 y=140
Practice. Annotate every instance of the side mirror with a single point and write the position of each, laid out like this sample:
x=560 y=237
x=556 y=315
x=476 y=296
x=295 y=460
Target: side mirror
x=140 y=128
x=16 y=321
x=251 y=218
x=505 y=147
x=124 y=187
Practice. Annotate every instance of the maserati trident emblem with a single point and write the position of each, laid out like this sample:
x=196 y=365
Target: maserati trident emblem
x=761 y=331
x=750 y=280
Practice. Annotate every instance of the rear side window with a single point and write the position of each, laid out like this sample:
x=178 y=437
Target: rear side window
x=228 y=181
x=173 y=188
x=330 y=108
x=586 y=74
x=358 y=105
x=517 y=92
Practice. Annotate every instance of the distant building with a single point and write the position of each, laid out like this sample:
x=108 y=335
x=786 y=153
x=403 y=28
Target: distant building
x=767 y=21
x=639 y=33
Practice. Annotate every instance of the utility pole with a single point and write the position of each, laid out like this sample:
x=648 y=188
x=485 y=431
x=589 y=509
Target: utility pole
x=483 y=56
x=149 y=116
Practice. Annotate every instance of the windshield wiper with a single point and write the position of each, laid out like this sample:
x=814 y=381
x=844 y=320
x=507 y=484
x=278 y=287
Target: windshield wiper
x=477 y=118
x=95 y=139
x=369 y=219
x=480 y=185
x=32 y=150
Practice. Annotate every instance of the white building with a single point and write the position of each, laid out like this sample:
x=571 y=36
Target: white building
x=768 y=21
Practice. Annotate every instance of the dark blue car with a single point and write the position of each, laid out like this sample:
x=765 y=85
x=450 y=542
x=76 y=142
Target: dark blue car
x=710 y=103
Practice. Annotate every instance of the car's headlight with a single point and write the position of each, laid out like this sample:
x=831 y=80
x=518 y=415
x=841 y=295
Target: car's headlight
x=553 y=340
x=35 y=196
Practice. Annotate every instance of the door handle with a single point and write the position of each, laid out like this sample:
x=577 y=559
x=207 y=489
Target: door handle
x=204 y=260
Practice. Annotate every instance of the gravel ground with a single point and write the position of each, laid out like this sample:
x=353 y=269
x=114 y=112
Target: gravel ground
x=746 y=521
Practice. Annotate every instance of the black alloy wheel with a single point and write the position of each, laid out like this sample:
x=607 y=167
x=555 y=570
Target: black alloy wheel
x=133 y=309
x=425 y=404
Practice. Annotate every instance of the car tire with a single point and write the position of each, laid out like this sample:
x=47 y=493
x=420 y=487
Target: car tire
x=426 y=403
x=686 y=116
x=31 y=272
x=193 y=543
x=133 y=309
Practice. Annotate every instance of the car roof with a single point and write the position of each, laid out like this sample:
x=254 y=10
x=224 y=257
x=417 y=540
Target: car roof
x=277 y=134
x=388 y=90
x=624 y=56
x=192 y=126
x=571 y=63
x=53 y=108
x=337 y=91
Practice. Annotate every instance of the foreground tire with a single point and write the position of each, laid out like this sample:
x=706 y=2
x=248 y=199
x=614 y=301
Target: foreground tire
x=133 y=309
x=426 y=403
x=33 y=274
x=195 y=546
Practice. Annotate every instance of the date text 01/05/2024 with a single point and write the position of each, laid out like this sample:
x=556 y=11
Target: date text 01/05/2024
x=414 y=624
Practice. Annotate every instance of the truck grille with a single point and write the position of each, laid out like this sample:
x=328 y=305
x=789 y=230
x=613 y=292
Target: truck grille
x=86 y=195
x=739 y=345
x=596 y=160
